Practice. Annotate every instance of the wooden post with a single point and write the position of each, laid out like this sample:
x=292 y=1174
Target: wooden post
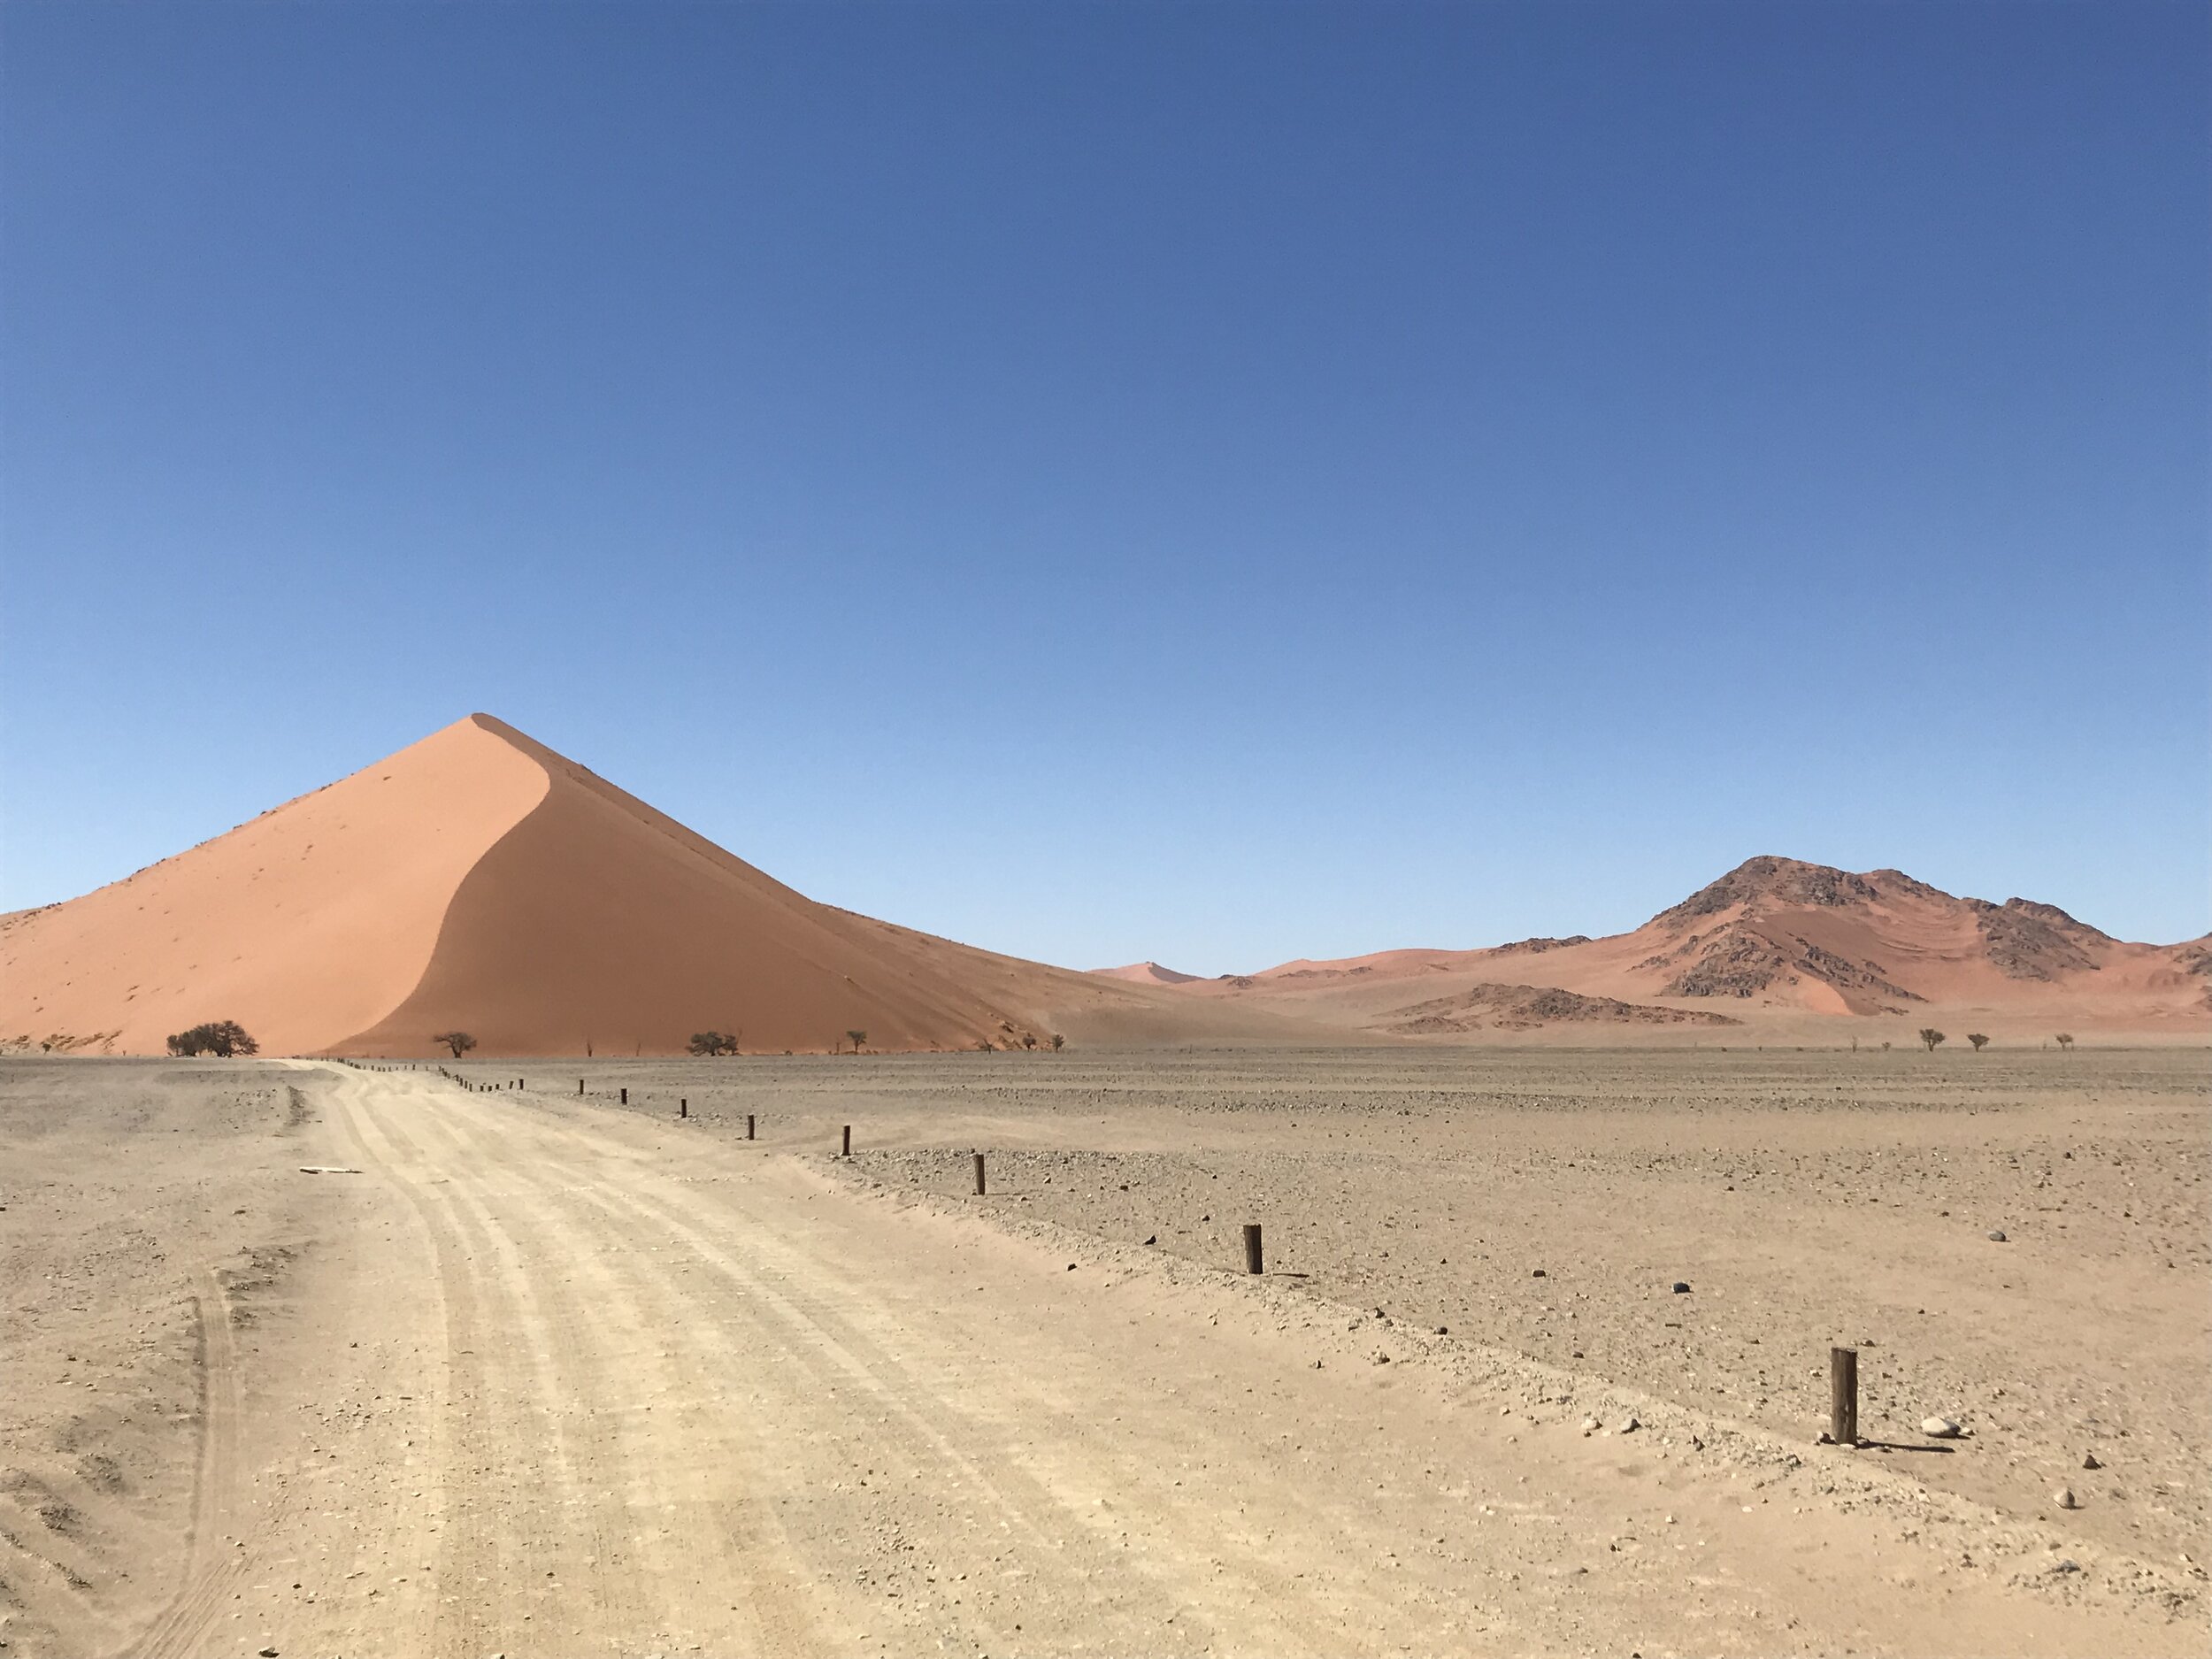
x=1843 y=1395
x=748 y=1125
x=625 y=1097
x=979 y=1175
x=683 y=1107
x=579 y=1089
x=849 y=1142
x=1252 y=1248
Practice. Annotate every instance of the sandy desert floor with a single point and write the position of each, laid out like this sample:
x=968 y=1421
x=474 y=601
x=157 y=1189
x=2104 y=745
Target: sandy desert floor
x=548 y=1377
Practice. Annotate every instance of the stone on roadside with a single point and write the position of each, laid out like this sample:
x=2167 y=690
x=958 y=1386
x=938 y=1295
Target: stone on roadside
x=1626 y=1426
x=1995 y=1235
x=2089 y=1461
x=1939 y=1428
x=2065 y=1499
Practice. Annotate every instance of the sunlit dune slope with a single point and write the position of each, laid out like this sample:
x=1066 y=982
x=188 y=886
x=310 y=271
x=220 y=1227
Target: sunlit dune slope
x=314 y=920
x=1145 y=973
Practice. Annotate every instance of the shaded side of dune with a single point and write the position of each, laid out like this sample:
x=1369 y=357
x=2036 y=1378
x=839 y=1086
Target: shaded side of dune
x=597 y=924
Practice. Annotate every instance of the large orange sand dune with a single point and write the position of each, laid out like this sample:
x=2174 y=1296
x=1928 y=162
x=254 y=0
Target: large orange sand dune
x=479 y=881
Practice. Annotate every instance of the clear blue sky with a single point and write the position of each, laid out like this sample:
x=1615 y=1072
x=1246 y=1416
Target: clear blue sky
x=1215 y=483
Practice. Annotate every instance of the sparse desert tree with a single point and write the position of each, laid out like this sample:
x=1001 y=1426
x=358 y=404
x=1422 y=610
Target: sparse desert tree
x=1058 y=1043
x=1930 y=1035
x=225 y=1039
x=459 y=1041
x=860 y=1039
x=2066 y=1040
x=713 y=1042
x=1980 y=1040
x=1029 y=1040
x=984 y=1045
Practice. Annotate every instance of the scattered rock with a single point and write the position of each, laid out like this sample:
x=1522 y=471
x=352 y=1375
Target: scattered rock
x=1626 y=1426
x=1995 y=1235
x=1070 y=1267
x=1381 y=1358
x=2065 y=1499
x=1443 y=1330
x=1591 y=1425
x=1681 y=1289
x=1154 y=1239
x=1539 y=1273
x=1939 y=1428
x=2066 y=1566
x=2089 y=1461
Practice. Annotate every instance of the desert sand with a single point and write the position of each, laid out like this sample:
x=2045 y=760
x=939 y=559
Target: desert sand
x=480 y=881
x=521 y=1370
x=1781 y=950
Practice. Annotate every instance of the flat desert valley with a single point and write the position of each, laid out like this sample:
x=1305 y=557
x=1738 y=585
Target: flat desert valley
x=325 y=1358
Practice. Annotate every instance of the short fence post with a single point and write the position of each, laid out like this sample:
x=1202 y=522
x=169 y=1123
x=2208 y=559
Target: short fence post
x=683 y=1107
x=625 y=1097
x=979 y=1175
x=849 y=1142
x=579 y=1089
x=748 y=1125
x=1843 y=1395
x=1252 y=1246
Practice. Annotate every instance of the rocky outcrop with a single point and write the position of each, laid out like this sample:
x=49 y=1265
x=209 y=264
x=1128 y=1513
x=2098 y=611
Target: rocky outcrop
x=1525 y=1007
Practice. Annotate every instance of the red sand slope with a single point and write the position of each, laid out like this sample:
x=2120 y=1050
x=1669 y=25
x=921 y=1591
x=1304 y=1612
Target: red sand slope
x=311 y=922
x=479 y=881
x=1776 y=939
x=1145 y=973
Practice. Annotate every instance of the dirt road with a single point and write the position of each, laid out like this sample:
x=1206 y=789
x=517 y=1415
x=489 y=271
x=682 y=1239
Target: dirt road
x=549 y=1379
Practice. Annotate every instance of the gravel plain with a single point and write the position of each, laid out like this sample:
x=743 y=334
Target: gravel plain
x=1546 y=1201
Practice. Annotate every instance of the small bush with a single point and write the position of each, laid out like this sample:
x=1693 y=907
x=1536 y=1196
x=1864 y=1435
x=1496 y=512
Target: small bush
x=1930 y=1035
x=459 y=1041
x=1980 y=1040
x=860 y=1039
x=1058 y=1043
x=713 y=1042
x=2066 y=1039
x=226 y=1039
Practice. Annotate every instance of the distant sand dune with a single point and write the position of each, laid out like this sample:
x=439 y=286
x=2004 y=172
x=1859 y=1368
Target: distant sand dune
x=1776 y=942
x=1145 y=973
